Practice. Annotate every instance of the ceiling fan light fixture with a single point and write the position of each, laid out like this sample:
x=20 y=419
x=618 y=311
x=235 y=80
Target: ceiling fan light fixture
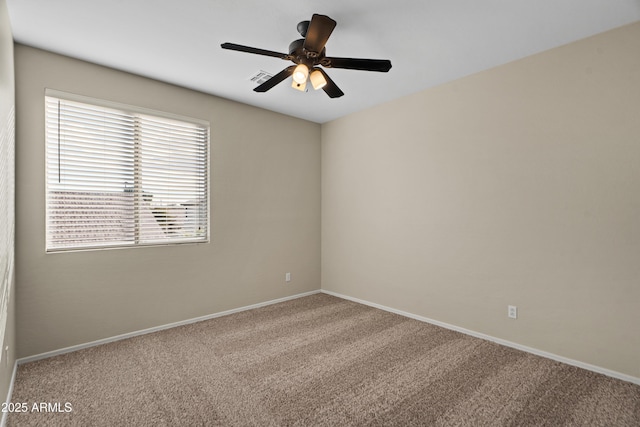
x=317 y=79
x=299 y=86
x=309 y=55
x=300 y=74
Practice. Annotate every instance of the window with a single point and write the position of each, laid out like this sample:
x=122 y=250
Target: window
x=123 y=176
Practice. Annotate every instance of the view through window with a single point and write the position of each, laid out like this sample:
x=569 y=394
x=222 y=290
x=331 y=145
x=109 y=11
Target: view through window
x=121 y=176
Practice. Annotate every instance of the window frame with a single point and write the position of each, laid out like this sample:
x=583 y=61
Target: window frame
x=133 y=110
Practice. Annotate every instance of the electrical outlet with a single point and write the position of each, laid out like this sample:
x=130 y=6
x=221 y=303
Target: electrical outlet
x=287 y=277
x=512 y=311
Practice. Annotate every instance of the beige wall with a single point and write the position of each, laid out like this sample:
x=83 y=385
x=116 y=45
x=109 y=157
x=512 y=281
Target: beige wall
x=518 y=185
x=265 y=220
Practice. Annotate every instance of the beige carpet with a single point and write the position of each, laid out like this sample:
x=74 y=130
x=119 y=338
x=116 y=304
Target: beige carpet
x=317 y=360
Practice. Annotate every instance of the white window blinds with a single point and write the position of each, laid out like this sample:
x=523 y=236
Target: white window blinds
x=120 y=177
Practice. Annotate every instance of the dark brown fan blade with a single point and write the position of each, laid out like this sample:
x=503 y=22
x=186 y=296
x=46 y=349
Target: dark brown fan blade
x=318 y=33
x=275 y=79
x=381 y=65
x=249 y=49
x=331 y=88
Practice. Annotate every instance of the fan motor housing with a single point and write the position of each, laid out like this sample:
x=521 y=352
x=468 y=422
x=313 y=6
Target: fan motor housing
x=301 y=56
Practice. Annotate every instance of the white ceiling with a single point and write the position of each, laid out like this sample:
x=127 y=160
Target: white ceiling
x=429 y=42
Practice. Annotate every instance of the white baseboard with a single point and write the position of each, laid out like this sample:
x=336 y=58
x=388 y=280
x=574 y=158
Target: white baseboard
x=3 y=420
x=154 y=329
x=594 y=368
x=587 y=366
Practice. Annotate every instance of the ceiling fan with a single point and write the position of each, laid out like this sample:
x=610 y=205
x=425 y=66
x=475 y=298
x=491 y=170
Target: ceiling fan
x=309 y=53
